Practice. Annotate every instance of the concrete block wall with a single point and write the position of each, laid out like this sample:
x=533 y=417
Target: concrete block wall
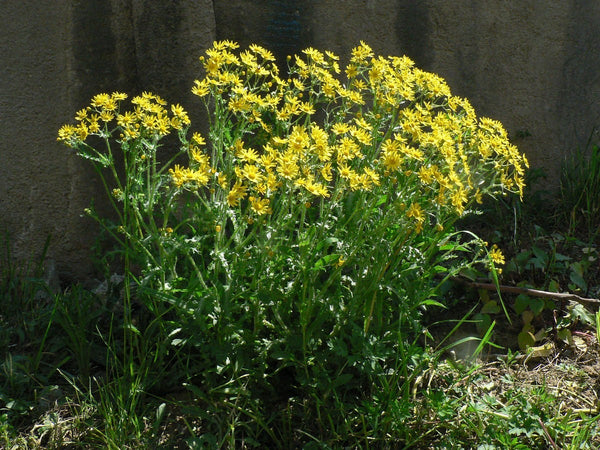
x=535 y=66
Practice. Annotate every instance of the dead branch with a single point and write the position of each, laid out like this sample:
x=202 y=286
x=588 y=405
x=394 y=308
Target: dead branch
x=533 y=292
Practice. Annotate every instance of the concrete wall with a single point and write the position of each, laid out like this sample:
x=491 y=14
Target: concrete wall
x=55 y=55
x=533 y=65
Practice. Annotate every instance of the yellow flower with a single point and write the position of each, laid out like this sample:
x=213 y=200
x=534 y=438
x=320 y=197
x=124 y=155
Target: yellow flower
x=99 y=100
x=199 y=157
x=307 y=108
x=361 y=135
x=298 y=139
x=94 y=126
x=82 y=114
x=198 y=139
x=252 y=173
x=340 y=128
x=246 y=154
x=361 y=53
x=67 y=133
x=178 y=175
x=106 y=116
x=180 y=114
x=201 y=88
x=182 y=176
x=459 y=199
x=317 y=189
x=287 y=167
x=126 y=119
x=496 y=255
x=351 y=71
x=236 y=193
x=416 y=212
x=326 y=172
x=82 y=131
x=260 y=205
x=118 y=96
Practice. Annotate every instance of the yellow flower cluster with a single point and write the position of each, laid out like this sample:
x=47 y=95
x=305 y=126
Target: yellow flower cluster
x=384 y=125
x=386 y=122
x=149 y=118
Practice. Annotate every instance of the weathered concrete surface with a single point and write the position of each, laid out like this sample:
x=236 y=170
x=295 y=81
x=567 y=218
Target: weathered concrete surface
x=55 y=55
x=535 y=66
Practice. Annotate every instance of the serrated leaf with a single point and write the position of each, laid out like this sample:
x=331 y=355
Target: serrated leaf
x=580 y=313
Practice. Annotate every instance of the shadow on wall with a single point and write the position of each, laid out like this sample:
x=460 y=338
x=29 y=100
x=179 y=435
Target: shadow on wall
x=282 y=26
x=413 y=31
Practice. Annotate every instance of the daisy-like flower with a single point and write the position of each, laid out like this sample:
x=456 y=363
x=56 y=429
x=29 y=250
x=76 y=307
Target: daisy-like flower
x=496 y=255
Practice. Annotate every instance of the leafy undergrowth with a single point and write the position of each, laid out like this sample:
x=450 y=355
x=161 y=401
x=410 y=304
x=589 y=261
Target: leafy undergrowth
x=465 y=395
x=515 y=402
x=476 y=384
x=505 y=400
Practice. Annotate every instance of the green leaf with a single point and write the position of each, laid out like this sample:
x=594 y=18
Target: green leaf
x=580 y=313
x=326 y=260
x=341 y=380
x=541 y=257
x=430 y=302
x=521 y=303
x=526 y=339
x=561 y=257
x=490 y=307
x=483 y=322
x=440 y=269
x=527 y=317
x=564 y=334
x=576 y=276
x=553 y=286
x=132 y=327
x=536 y=305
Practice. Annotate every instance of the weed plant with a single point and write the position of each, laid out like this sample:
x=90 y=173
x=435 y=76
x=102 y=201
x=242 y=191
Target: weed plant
x=580 y=191
x=279 y=269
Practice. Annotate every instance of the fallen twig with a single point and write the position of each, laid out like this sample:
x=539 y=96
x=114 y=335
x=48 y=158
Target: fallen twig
x=533 y=292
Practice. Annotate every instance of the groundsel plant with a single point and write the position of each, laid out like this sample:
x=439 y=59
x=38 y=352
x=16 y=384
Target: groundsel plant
x=310 y=227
